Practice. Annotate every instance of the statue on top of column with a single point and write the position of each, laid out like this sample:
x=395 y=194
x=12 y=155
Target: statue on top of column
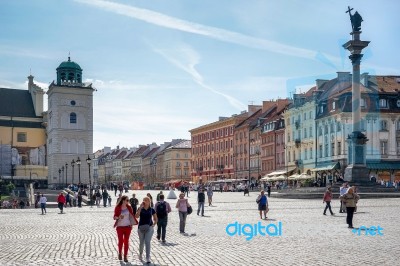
x=355 y=19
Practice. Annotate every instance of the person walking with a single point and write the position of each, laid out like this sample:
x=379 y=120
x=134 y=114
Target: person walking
x=158 y=196
x=350 y=200
x=220 y=187
x=327 y=199
x=342 y=191
x=115 y=189
x=201 y=198
x=42 y=202
x=269 y=190
x=134 y=203
x=124 y=220
x=67 y=199
x=98 y=198
x=262 y=204
x=79 y=199
x=61 y=202
x=109 y=201
x=182 y=205
x=151 y=200
x=162 y=209
x=147 y=220
x=105 y=197
x=210 y=195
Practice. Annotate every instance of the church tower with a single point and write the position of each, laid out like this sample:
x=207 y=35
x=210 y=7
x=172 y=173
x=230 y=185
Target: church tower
x=70 y=126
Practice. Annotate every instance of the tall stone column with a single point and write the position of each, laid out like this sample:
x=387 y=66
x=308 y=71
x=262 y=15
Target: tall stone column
x=356 y=170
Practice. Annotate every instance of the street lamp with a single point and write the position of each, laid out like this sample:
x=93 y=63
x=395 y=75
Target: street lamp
x=286 y=163
x=59 y=176
x=89 y=161
x=66 y=174
x=78 y=162
x=62 y=168
x=258 y=162
x=73 y=164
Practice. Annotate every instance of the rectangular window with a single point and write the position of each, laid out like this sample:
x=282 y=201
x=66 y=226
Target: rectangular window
x=384 y=147
x=333 y=106
x=320 y=151
x=311 y=132
x=305 y=133
x=362 y=125
x=362 y=103
x=333 y=149
x=21 y=137
x=305 y=154
x=311 y=153
x=326 y=149
x=339 y=148
x=398 y=147
x=383 y=125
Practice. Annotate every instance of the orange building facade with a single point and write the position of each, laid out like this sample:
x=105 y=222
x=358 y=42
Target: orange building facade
x=212 y=149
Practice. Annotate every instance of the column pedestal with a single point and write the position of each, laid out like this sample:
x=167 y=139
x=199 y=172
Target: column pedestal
x=356 y=171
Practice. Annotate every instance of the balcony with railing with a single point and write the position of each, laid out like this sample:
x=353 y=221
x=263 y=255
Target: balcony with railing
x=297 y=142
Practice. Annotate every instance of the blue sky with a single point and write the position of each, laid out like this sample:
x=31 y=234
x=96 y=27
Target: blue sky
x=164 y=67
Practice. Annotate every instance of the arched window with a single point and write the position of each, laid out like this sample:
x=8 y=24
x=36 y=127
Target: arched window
x=72 y=118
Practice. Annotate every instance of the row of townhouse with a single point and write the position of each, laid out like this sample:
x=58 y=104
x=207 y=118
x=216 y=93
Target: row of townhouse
x=319 y=122
x=307 y=134
x=149 y=163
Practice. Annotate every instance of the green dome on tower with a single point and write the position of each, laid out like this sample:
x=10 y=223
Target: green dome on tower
x=69 y=72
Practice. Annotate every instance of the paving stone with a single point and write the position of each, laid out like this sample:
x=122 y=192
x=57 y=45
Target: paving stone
x=85 y=236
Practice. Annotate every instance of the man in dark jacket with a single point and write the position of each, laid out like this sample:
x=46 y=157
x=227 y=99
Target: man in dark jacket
x=201 y=197
x=105 y=197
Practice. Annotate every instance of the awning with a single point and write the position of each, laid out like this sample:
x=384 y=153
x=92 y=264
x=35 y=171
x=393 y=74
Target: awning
x=276 y=173
x=304 y=177
x=326 y=167
x=294 y=177
x=383 y=166
x=281 y=172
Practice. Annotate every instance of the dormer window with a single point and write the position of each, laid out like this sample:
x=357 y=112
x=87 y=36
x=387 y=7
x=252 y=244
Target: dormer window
x=383 y=103
x=362 y=103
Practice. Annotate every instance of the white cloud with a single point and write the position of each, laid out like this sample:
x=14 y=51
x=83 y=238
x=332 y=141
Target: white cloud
x=188 y=64
x=162 y=20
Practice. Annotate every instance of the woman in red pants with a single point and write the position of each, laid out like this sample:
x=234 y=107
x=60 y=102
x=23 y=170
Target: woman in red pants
x=124 y=220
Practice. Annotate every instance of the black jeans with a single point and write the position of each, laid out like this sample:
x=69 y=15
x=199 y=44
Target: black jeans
x=105 y=202
x=350 y=212
x=328 y=205
x=162 y=227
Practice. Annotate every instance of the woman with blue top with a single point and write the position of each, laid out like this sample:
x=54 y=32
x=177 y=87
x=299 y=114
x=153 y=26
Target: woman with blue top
x=147 y=220
x=262 y=204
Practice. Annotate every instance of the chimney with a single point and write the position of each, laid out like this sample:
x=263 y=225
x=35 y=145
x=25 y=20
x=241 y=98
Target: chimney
x=253 y=108
x=320 y=82
x=37 y=96
x=268 y=104
x=364 y=79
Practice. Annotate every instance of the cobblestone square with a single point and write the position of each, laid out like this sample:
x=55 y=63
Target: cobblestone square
x=85 y=236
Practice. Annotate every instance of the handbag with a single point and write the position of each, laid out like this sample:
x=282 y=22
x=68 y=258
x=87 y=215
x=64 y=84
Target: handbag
x=189 y=209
